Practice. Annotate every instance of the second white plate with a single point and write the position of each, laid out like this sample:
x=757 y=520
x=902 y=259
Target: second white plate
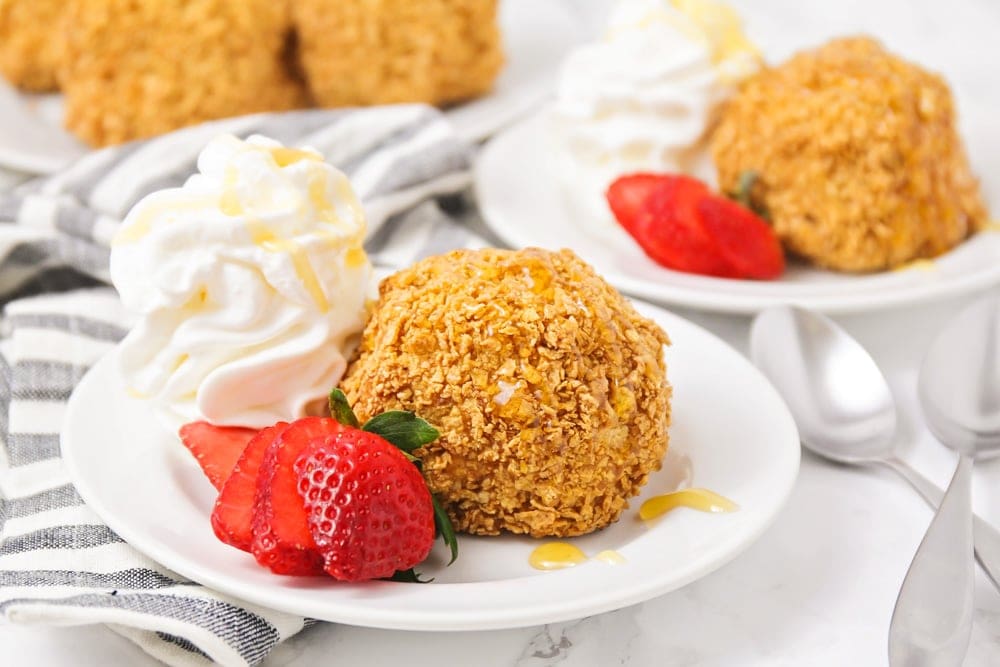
x=524 y=205
x=731 y=433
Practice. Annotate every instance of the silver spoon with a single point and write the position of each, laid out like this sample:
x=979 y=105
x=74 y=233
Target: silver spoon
x=841 y=402
x=959 y=389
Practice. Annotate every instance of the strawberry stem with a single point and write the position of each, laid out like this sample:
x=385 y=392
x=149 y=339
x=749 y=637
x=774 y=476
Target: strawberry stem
x=748 y=178
x=410 y=576
x=340 y=409
x=445 y=529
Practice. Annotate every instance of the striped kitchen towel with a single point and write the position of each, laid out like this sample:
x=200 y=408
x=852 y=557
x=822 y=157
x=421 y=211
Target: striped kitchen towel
x=59 y=563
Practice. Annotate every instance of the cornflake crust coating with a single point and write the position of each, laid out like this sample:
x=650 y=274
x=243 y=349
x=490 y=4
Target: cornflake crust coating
x=30 y=42
x=387 y=51
x=549 y=389
x=137 y=68
x=859 y=160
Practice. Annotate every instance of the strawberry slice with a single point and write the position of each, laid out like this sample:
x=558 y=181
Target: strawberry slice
x=627 y=196
x=232 y=516
x=216 y=448
x=368 y=506
x=744 y=240
x=670 y=232
x=282 y=540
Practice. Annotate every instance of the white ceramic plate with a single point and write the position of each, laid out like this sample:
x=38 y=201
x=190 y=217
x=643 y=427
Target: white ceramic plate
x=731 y=433
x=522 y=203
x=536 y=37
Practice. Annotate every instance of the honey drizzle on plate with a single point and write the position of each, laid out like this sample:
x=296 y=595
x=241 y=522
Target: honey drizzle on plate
x=699 y=499
x=560 y=555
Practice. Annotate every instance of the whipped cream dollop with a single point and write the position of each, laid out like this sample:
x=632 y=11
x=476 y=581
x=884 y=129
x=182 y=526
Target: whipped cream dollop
x=643 y=98
x=250 y=282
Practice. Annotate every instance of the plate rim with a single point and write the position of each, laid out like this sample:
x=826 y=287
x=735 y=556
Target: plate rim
x=434 y=619
x=667 y=294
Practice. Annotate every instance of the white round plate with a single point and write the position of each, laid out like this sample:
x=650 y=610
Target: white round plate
x=536 y=36
x=524 y=205
x=731 y=433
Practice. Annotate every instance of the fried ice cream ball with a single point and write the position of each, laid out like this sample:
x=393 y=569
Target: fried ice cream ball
x=138 y=68
x=31 y=42
x=858 y=158
x=548 y=388
x=387 y=51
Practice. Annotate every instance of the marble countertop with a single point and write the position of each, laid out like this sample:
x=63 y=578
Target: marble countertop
x=818 y=588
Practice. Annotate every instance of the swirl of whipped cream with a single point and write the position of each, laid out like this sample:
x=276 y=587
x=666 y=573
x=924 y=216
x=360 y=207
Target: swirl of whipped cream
x=643 y=97
x=251 y=283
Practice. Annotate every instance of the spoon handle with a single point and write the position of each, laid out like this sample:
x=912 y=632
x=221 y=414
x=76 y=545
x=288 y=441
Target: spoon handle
x=987 y=538
x=932 y=621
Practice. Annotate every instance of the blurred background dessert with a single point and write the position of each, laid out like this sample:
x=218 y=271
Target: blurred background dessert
x=857 y=157
x=30 y=43
x=137 y=68
x=437 y=51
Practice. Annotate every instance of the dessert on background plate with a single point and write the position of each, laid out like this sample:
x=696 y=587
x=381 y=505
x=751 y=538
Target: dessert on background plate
x=438 y=51
x=857 y=155
x=123 y=78
x=250 y=283
x=118 y=62
x=644 y=97
x=851 y=155
x=549 y=389
x=30 y=49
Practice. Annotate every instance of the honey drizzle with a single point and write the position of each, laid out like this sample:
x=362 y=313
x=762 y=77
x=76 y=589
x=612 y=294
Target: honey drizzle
x=560 y=555
x=699 y=499
x=556 y=556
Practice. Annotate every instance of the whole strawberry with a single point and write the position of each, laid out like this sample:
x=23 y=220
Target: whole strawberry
x=367 y=504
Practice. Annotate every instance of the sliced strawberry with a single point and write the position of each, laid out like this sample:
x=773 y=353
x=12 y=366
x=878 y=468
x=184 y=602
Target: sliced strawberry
x=368 y=506
x=669 y=230
x=745 y=240
x=232 y=516
x=216 y=448
x=627 y=195
x=282 y=540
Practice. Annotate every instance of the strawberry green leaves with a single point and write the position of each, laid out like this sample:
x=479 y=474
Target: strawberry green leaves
x=403 y=429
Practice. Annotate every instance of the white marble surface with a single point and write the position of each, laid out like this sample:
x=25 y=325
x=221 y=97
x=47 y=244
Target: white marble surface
x=818 y=588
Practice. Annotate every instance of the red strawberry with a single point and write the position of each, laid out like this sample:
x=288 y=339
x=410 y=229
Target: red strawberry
x=282 y=539
x=628 y=195
x=669 y=229
x=745 y=240
x=368 y=506
x=681 y=225
x=216 y=448
x=233 y=512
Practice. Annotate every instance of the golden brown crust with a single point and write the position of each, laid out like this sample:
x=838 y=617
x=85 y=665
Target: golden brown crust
x=549 y=390
x=136 y=68
x=859 y=160
x=386 y=51
x=31 y=43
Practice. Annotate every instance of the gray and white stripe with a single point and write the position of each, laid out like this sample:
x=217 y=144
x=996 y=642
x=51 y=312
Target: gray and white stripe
x=59 y=563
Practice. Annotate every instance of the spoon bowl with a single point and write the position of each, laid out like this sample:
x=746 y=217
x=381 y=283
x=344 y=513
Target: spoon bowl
x=840 y=399
x=959 y=386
